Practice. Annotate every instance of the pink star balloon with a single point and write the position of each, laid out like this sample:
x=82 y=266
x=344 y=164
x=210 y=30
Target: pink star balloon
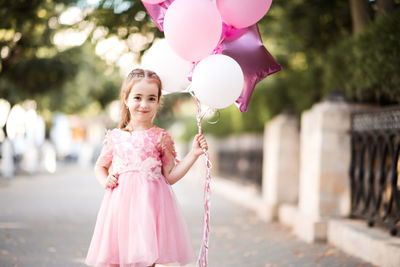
x=152 y=1
x=246 y=47
x=157 y=12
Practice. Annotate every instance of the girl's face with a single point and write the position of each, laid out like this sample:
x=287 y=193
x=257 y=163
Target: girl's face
x=142 y=101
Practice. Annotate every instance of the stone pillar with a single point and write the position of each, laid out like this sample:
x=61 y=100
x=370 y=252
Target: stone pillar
x=324 y=166
x=280 y=164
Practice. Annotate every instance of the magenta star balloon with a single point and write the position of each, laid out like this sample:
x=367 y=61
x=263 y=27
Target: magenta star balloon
x=152 y=1
x=157 y=12
x=246 y=47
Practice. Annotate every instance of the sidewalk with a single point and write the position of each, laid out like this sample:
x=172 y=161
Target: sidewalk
x=47 y=220
x=240 y=238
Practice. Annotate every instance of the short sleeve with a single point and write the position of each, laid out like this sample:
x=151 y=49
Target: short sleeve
x=168 y=152
x=106 y=153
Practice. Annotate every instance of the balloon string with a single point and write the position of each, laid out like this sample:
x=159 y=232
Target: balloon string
x=203 y=253
x=214 y=110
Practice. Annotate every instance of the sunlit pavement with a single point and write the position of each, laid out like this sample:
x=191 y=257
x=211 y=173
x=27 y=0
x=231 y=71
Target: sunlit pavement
x=47 y=220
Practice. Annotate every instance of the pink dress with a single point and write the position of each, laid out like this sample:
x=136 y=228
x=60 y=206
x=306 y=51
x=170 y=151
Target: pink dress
x=139 y=222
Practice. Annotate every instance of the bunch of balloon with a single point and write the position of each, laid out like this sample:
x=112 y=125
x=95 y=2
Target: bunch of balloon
x=193 y=29
x=196 y=29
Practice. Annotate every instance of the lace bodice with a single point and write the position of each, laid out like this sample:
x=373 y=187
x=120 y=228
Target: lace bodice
x=144 y=151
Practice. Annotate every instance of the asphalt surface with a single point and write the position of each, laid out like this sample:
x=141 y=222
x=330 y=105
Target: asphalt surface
x=48 y=219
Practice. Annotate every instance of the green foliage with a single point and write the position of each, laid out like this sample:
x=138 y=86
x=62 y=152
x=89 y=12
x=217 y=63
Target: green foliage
x=366 y=66
x=25 y=29
x=31 y=66
x=312 y=25
x=94 y=82
x=312 y=41
x=124 y=18
x=32 y=77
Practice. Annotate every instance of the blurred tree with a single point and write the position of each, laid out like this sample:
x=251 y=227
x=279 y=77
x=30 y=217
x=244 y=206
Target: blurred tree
x=298 y=33
x=29 y=62
x=32 y=66
x=359 y=14
x=128 y=20
x=302 y=32
x=384 y=7
x=94 y=82
x=366 y=65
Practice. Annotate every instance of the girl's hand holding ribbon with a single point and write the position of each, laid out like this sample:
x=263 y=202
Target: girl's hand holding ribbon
x=199 y=145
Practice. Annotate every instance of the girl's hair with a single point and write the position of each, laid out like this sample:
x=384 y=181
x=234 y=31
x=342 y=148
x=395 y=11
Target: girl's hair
x=134 y=77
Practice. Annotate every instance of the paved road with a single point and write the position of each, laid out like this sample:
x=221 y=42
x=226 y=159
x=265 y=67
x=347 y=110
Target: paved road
x=47 y=220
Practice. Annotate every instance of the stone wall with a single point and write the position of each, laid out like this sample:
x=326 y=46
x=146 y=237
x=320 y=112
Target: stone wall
x=280 y=164
x=306 y=182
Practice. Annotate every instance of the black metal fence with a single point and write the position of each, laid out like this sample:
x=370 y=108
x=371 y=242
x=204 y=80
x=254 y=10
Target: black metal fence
x=244 y=165
x=241 y=158
x=375 y=185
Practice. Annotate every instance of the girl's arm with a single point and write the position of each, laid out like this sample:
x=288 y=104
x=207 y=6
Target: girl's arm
x=174 y=172
x=101 y=174
x=103 y=177
x=103 y=163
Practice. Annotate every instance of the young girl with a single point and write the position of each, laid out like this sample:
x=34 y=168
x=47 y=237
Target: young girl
x=139 y=222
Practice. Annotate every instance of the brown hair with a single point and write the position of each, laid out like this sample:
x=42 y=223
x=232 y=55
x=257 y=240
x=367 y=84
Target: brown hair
x=133 y=77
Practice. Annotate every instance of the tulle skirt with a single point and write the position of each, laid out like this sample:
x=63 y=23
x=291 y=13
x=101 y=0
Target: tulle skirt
x=140 y=223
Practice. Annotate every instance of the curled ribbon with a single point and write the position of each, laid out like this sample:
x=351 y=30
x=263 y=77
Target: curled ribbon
x=215 y=111
x=203 y=253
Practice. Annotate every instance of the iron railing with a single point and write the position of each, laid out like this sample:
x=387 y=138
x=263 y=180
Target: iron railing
x=240 y=157
x=243 y=165
x=374 y=181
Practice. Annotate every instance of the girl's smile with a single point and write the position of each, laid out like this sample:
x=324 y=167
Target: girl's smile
x=142 y=103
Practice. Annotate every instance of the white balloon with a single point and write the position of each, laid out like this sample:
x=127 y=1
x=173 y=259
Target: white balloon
x=171 y=68
x=217 y=81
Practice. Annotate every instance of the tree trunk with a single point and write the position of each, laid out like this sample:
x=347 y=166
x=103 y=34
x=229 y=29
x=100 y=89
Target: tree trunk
x=359 y=14
x=385 y=7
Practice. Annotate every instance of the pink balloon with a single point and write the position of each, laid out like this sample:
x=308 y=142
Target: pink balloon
x=192 y=28
x=153 y=1
x=240 y=13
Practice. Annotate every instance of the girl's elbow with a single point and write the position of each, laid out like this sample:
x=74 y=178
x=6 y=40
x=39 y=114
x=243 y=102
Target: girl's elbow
x=169 y=179
x=97 y=167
